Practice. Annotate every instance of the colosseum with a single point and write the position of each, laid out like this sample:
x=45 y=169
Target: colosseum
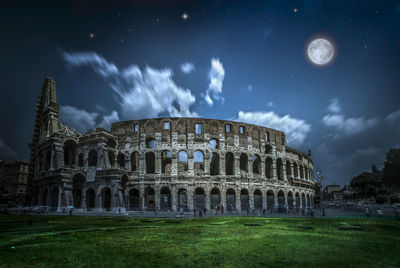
x=165 y=164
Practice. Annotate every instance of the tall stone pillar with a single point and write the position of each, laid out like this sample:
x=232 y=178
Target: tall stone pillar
x=142 y=197
x=264 y=200
x=223 y=198
x=190 y=198
x=251 y=199
x=276 y=201
x=174 y=197
x=207 y=194
x=59 y=198
x=157 y=196
x=237 y=195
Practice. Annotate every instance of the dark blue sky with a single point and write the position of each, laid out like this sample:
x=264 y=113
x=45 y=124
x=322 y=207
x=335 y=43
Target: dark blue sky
x=123 y=60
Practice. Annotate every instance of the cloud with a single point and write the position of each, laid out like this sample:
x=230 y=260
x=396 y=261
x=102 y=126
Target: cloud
x=348 y=126
x=216 y=77
x=79 y=119
x=271 y=104
x=142 y=93
x=6 y=153
x=334 y=106
x=296 y=130
x=249 y=87
x=187 y=67
x=393 y=117
x=107 y=120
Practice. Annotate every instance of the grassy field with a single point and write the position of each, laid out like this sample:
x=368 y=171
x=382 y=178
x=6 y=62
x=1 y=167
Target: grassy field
x=207 y=242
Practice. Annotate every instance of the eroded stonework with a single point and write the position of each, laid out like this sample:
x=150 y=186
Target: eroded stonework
x=165 y=164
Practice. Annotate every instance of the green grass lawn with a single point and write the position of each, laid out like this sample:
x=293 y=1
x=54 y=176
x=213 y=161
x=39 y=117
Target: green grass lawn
x=207 y=242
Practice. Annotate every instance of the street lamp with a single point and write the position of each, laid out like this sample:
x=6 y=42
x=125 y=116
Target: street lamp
x=320 y=177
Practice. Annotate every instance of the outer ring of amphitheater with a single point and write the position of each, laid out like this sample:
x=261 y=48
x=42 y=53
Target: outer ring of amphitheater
x=254 y=170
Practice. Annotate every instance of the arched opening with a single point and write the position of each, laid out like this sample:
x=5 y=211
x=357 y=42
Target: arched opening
x=106 y=197
x=77 y=187
x=151 y=143
x=288 y=169
x=290 y=200
x=44 y=197
x=69 y=153
x=165 y=199
x=306 y=173
x=48 y=161
x=149 y=198
x=308 y=204
x=92 y=158
x=301 y=172
x=270 y=199
x=124 y=182
x=303 y=200
x=214 y=144
x=54 y=198
x=295 y=170
x=256 y=164
x=199 y=201
x=111 y=143
x=279 y=169
x=257 y=199
x=268 y=149
x=230 y=200
x=229 y=164
x=166 y=162
x=150 y=163
x=297 y=197
x=182 y=161
x=281 y=201
x=111 y=158
x=214 y=164
x=133 y=199
x=80 y=160
x=268 y=167
x=135 y=161
x=244 y=200
x=182 y=199
x=121 y=160
x=215 y=198
x=90 y=199
x=198 y=160
x=244 y=161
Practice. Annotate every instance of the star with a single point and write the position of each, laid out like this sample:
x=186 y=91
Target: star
x=364 y=46
x=185 y=16
x=91 y=35
x=157 y=20
x=295 y=10
x=122 y=40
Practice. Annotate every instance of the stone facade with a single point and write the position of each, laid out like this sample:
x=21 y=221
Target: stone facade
x=14 y=182
x=165 y=164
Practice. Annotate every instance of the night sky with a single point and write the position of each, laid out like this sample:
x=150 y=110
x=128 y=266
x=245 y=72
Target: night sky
x=236 y=60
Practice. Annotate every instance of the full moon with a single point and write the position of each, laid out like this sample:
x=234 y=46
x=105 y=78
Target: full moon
x=320 y=51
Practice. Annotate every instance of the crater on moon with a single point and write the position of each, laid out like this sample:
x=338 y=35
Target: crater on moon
x=320 y=51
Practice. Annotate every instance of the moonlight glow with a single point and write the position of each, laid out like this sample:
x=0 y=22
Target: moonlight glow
x=320 y=51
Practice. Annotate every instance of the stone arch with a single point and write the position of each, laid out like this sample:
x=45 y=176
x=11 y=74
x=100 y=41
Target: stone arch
x=229 y=164
x=149 y=194
x=214 y=144
x=270 y=199
x=290 y=200
x=182 y=199
x=151 y=143
x=303 y=200
x=258 y=202
x=106 y=198
x=244 y=200
x=199 y=200
x=305 y=173
x=134 y=199
x=121 y=160
x=295 y=170
x=90 y=199
x=297 y=198
x=150 y=163
x=279 y=169
x=214 y=164
x=78 y=181
x=281 y=200
x=244 y=162
x=256 y=164
x=230 y=200
x=166 y=162
x=135 y=161
x=308 y=203
x=301 y=172
x=288 y=169
x=198 y=160
x=215 y=198
x=268 y=168
x=92 y=158
x=111 y=158
x=69 y=153
x=111 y=143
x=165 y=198
x=268 y=149
x=183 y=160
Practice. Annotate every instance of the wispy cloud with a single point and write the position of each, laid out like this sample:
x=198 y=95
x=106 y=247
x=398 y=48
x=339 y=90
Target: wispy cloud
x=216 y=77
x=187 y=67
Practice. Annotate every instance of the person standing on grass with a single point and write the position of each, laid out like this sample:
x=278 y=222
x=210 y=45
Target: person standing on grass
x=367 y=212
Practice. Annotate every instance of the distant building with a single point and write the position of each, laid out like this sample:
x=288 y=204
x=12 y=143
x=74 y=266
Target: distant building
x=14 y=182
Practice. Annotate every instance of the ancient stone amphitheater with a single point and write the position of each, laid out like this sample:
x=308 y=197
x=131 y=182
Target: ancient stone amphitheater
x=165 y=164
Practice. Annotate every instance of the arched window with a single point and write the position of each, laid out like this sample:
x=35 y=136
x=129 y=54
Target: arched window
x=182 y=161
x=69 y=153
x=166 y=160
x=214 y=144
x=214 y=164
x=215 y=198
x=198 y=160
x=268 y=149
x=268 y=168
x=150 y=163
x=244 y=200
x=301 y=172
x=256 y=164
x=111 y=157
x=182 y=199
x=230 y=200
x=121 y=160
x=257 y=199
x=111 y=143
x=281 y=201
x=135 y=161
x=288 y=170
x=295 y=170
x=279 y=169
x=244 y=162
x=92 y=158
x=229 y=164
x=151 y=143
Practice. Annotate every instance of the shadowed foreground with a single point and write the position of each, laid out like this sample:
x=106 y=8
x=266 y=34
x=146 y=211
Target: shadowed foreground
x=123 y=241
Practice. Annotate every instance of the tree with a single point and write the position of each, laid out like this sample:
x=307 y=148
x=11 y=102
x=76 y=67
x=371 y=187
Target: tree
x=391 y=170
x=367 y=184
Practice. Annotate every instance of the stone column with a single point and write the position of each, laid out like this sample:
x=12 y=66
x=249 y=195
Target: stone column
x=207 y=194
x=264 y=200
x=142 y=200
x=223 y=198
x=174 y=197
x=83 y=200
x=236 y=163
x=276 y=201
x=273 y=167
x=157 y=196
x=237 y=195
x=251 y=199
x=59 y=198
x=190 y=198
